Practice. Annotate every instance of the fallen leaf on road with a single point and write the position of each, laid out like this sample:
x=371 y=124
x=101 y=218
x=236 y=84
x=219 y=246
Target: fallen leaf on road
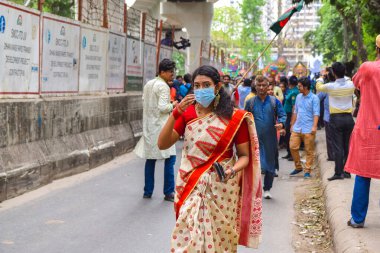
x=50 y=222
x=7 y=242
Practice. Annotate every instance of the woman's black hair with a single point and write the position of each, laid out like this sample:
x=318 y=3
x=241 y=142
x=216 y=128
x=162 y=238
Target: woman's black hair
x=208 y=71
x=225 y=107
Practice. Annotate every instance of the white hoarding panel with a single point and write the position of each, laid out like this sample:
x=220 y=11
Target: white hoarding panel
x=60 y=56
x=93 y=60
x=166 y=53
x=205 y=50
x=116 y=61
x=19 y=50
x=149 y=62
x=134 y=59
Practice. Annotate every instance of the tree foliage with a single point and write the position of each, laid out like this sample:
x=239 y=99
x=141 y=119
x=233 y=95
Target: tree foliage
x=64 y=8
x=359 y=21
x=328 y=36
x=239 y=29
x=253 y=38
x=179 y=60
x=226 y=27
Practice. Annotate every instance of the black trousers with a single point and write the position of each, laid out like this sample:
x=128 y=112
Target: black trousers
x=329 y=141
x=341 y=125
x=287 y=129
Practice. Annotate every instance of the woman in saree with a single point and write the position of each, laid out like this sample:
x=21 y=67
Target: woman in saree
x=214 y=216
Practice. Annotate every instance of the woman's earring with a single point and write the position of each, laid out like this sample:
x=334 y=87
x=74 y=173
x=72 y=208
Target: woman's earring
x=216 y=102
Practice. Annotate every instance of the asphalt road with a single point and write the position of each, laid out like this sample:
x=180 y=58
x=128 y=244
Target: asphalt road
x=102 y=210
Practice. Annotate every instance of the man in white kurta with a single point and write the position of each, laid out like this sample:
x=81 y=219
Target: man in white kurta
x=156 y=111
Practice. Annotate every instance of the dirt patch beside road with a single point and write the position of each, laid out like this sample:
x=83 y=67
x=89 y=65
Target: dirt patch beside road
x=311 y=232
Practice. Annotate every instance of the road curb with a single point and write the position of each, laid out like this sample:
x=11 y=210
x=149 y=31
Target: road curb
x=338 y=195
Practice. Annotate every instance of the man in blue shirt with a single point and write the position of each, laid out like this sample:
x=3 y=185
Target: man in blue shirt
x=269 y=117
x=304 y=126
x=185 y=87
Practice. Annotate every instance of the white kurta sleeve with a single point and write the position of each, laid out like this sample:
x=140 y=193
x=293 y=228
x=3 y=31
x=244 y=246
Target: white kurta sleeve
x=164 y=105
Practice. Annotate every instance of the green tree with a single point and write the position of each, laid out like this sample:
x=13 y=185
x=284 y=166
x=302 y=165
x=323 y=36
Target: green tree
x=253 y=40
x=226 y=27
x=360 y=24
x=179 y=60
x=328 y=37
x=64 y=8
x=371 y=27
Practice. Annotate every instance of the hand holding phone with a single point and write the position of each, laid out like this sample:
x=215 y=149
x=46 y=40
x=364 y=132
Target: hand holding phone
x=220 y=171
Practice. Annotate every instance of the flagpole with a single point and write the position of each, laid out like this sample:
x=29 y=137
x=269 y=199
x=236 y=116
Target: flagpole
x=284 y=18
x=254 y=63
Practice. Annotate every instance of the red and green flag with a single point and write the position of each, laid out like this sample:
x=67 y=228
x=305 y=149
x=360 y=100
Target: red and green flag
x=284 y=19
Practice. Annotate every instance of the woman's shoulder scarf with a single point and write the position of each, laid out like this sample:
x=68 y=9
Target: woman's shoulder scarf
x=250 y=206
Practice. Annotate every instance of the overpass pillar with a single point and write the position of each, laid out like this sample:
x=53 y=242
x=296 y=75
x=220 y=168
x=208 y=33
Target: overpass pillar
x=196 y=18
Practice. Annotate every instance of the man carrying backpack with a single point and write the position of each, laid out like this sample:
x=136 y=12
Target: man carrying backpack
x=269 y=117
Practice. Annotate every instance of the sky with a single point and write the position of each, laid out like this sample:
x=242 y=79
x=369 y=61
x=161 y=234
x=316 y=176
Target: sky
x=221 y=3
x=130 y=2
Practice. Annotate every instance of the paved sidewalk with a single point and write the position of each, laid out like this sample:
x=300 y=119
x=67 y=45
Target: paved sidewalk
x=338 y=195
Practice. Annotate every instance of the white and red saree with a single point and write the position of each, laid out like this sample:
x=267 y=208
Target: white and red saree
x=214 y=216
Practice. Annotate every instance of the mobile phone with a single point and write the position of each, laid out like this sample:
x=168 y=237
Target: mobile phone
x=220 y=171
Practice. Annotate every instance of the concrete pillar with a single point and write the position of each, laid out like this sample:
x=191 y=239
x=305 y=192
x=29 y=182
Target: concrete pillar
x=196 y=18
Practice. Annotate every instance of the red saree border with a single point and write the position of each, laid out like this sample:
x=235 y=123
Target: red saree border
x=219 y=150
x=251 y=197
x=246 y=203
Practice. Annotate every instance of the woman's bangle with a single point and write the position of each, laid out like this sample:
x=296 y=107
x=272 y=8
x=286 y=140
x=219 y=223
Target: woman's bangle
x=176 y=113
x=233 y=173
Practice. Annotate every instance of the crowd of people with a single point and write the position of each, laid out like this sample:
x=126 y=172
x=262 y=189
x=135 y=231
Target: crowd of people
x=240 y=129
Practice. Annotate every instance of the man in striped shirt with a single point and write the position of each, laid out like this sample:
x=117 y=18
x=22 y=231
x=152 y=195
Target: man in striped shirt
x=340 y=98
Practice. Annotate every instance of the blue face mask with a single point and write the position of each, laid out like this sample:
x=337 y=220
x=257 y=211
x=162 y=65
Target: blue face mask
x=205 y=96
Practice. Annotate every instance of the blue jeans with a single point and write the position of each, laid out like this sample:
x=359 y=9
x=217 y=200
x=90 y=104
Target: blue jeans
x=268 y=180
x=360 y=199
x=150 y=165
